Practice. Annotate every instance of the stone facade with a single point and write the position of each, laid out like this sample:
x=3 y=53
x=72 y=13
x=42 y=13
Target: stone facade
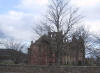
x=43 y=51
x=98 y=61
x=40 y=54
x=74 y=52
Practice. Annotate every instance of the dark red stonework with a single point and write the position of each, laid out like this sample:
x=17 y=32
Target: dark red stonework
x=39 y=54
x=42 y=53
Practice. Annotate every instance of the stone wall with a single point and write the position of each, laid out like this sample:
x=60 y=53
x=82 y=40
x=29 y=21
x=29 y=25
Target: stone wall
x=48 y=69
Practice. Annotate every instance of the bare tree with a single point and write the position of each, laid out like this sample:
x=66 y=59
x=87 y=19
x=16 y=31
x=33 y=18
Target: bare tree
x=15 y=45
x=97 y=54
x=95 y=51
x=89 y=42
x=82 y=32
x=61 y=18
x=16 y=50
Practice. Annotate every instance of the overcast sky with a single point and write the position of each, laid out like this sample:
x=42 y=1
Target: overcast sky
x=18 y=16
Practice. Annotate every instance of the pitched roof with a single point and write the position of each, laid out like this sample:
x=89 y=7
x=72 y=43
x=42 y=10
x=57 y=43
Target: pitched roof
x=7 y=52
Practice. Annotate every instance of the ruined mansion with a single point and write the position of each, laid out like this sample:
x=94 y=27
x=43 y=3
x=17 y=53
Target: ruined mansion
x=44 y=51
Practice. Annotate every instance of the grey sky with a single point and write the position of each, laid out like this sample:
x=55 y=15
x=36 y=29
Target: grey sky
x=18 y=17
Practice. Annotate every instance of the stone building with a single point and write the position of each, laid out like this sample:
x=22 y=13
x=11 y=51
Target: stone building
x=44 y=51
x=98 y=61
x=39 y=52
x=74 y=52
x=10 y=56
